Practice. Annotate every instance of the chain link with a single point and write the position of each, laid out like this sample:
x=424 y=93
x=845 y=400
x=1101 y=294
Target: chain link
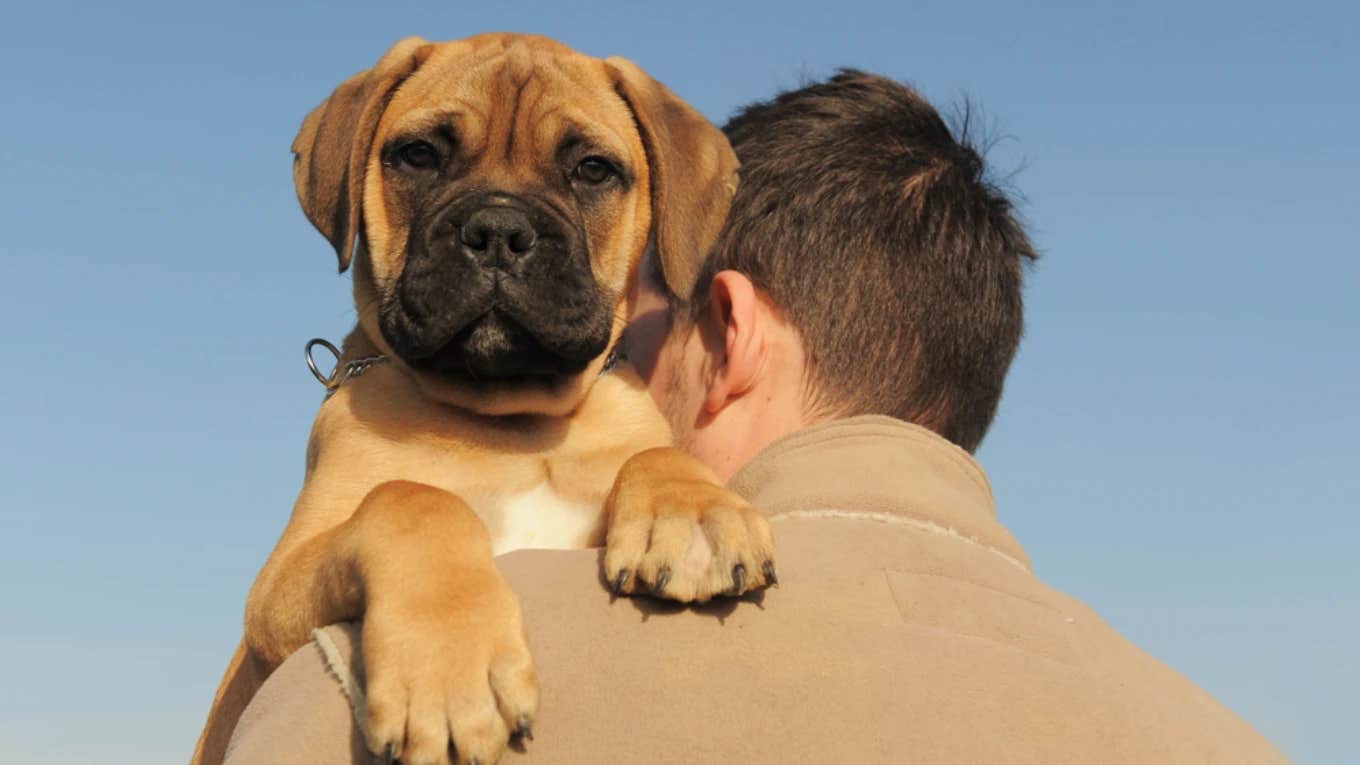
x=339 y=374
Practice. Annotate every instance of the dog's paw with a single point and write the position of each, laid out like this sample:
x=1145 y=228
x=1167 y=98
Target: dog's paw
x=676 y=533
x=449 y=682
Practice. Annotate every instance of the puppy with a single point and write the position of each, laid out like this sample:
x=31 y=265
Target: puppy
x=494 y=196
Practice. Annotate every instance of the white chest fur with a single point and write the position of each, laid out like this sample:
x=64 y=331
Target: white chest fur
x=537 y=518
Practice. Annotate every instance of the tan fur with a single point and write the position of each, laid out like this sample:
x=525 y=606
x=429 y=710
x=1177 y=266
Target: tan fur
x=409 y=478
x=671 y=520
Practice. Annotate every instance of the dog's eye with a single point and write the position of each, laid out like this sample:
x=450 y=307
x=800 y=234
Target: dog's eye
x=594 y=170
x=419 y=155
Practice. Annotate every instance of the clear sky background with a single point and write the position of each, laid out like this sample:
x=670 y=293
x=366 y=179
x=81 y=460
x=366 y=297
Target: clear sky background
x=1177 y=445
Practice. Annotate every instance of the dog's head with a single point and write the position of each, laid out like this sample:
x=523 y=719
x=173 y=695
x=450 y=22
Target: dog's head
x=496 y=195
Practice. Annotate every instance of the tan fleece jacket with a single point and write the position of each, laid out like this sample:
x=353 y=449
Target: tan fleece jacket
x=907 y=628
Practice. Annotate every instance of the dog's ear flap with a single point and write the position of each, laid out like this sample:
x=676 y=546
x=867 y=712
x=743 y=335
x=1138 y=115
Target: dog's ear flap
x=331 y=150
x=693 y=174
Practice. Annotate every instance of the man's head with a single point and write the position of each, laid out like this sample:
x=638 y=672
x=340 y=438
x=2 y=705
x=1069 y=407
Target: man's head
x=866 y=267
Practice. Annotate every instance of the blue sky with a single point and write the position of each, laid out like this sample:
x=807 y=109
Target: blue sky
x=1177 y=443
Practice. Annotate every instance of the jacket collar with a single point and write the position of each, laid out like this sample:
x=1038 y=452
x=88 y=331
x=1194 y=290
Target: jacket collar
x=877 y=468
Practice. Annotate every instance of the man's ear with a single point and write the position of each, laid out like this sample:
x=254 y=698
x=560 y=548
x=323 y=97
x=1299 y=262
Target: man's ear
x=693 y=173
x=737 y=339
x=331 y=150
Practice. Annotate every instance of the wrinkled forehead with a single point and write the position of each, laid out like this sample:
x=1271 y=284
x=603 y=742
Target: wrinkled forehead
x=516 y=96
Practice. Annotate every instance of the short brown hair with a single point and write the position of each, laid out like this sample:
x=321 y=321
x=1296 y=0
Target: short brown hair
x=872 y=227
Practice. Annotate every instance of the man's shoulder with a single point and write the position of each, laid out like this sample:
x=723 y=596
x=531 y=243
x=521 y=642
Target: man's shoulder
x=855 y=657
x=1142 y=693
x=893 y=636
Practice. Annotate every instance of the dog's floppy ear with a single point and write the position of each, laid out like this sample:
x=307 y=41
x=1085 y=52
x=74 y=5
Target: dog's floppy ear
x=693 y=172
x=331 y=150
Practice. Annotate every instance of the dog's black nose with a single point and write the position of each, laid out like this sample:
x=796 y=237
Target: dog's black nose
x=491 y=229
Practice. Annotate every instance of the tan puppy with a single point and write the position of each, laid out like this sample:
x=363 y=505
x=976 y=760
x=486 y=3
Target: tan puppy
x=497 y=194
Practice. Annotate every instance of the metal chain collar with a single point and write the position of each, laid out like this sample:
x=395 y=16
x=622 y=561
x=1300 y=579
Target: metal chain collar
x=339 y=374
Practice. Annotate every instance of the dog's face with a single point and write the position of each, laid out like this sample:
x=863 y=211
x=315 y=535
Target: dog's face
x=501 y=190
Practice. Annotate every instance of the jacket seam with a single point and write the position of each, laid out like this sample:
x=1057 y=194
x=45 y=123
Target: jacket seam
x=889 y=431
x=897 y=520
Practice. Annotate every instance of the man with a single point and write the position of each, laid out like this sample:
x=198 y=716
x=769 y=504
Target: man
x=843 y=355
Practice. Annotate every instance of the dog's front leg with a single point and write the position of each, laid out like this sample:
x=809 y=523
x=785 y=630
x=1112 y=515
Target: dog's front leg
x=447 y=663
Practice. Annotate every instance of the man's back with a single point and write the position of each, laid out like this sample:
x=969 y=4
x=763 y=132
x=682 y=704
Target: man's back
x=906 y=621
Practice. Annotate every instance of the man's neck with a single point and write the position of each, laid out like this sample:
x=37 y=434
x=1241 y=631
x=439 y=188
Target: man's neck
x=743 y=429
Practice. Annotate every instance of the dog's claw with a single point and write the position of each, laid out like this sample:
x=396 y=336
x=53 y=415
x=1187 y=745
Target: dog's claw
x=739 y=578
x=621 y=581
x=390 y=754
x=524 y=729
x=662 y=577
x=770 y=577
